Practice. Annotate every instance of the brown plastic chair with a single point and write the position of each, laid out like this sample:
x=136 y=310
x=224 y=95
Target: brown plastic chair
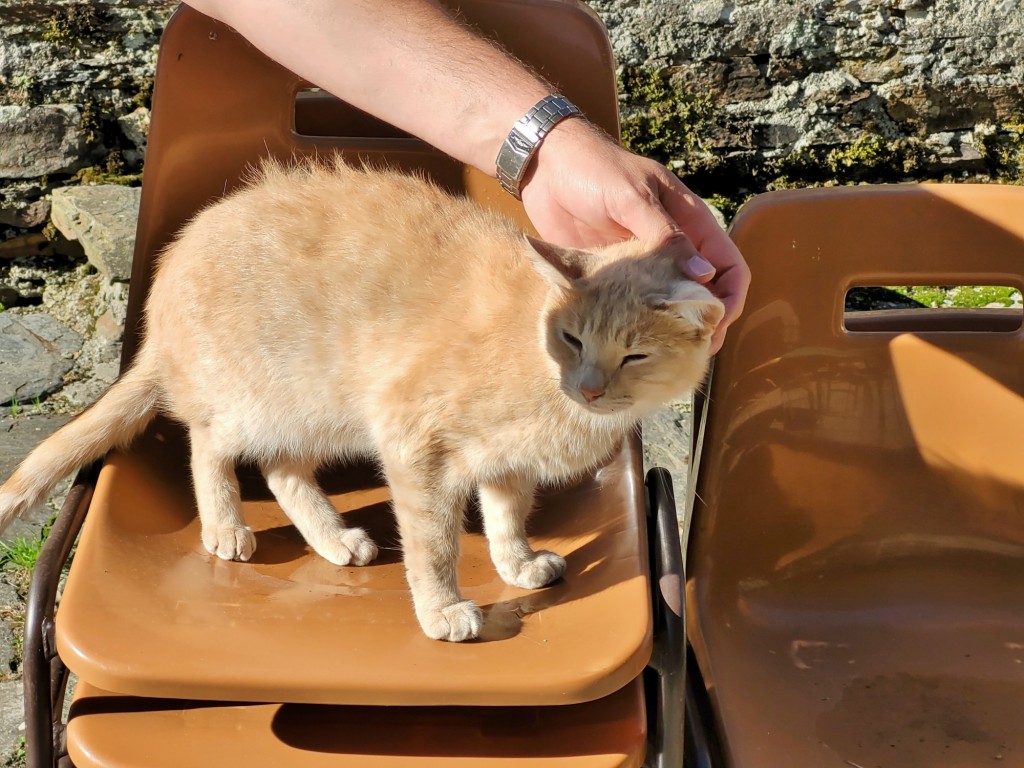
x=286 y=659
x=855 y=585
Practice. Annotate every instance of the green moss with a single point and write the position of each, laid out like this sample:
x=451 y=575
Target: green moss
x=114 y=164
x=662 y=119
x=70 y=26
x=873 y=155
x=90 y=122
x=144 y=91
x=96 y=174
x=22 y=90
x=1003 y=151
x=727 y=204
x=870 y=158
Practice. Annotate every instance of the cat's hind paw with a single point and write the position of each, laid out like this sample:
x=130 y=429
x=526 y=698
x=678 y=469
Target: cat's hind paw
x=348 y=546
x=539 y=571
x=461 y=621
x=230 y=543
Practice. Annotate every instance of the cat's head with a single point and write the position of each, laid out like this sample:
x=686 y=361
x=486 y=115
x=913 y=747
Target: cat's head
x=628 y=330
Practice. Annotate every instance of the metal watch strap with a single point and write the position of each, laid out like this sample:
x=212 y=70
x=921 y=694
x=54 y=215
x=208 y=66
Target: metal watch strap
x=524 y=138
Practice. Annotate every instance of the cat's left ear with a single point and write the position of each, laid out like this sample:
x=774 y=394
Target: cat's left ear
x=693 y=303
x=561 y=266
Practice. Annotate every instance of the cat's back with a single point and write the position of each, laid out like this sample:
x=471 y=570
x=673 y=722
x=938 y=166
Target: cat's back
x=378 y=263
x=336 y=226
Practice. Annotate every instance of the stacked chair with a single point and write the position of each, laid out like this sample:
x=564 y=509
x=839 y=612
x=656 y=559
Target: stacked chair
x=287 y=660
x=855 y=566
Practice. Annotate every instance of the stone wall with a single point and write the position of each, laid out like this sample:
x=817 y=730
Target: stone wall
x=788 y=92
x=75 y=84
x=756 y=93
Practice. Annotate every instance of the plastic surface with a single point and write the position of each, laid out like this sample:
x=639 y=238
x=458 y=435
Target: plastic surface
x=148 y=612
x=856 y=562
x=107 y=731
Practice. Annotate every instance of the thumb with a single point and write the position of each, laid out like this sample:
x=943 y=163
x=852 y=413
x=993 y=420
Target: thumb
x=698 y=269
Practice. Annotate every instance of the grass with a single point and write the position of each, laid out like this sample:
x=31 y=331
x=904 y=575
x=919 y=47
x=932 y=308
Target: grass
x=965 y=296
x=17 y=758
x=21 y=552
x=18 y=558
x=17 y=409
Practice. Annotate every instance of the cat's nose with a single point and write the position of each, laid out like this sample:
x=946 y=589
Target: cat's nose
x=589 y=393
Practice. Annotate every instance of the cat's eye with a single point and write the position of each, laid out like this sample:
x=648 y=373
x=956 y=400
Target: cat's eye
x=572 y=341
x=633 y=359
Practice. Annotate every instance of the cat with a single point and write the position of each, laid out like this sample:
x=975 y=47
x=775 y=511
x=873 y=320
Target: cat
x=402 y=323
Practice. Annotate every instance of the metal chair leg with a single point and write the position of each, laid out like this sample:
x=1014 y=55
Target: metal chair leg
x=668 y=659
x=45 y=676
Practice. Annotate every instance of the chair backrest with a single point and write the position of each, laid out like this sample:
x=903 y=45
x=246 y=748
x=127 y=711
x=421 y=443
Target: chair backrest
x=223 y=106
x=858 y=507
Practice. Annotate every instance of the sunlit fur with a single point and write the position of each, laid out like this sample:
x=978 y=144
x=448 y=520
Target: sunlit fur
x=325 y=312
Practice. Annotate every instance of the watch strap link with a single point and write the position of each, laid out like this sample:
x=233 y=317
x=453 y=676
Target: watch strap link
x=526 y=136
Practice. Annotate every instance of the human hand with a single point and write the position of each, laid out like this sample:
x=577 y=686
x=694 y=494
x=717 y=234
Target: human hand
x=584 y=190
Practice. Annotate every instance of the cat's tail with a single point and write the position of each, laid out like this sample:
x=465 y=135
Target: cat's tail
x=113 y=420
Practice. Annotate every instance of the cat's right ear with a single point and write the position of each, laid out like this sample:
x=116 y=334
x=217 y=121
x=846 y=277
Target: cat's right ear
x=560 y=266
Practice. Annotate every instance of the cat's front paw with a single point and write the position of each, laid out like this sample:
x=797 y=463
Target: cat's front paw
x=460 y=621
x=230 y=542
x=539 y=571
x=348 y=546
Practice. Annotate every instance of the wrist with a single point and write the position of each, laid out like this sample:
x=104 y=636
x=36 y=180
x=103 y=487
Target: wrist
x=516 y=156
x=578 y=138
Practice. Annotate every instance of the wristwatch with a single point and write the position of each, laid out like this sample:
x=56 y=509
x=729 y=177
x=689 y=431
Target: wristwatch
x=524 y=138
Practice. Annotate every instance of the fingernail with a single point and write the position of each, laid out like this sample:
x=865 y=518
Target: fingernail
x=698 y=266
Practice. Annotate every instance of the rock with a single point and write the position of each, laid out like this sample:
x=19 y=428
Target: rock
x=38 y=140
x=666 y=441
x=7 y=657
x=35 y=353
x=25 y=214
x=18 y=436
x=22 y=246
x=717 y=213
x=135 y=126
x=102 y=219
x=12 y=715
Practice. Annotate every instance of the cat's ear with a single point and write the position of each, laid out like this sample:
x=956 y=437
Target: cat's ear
x=560 y=266
x=693 y=303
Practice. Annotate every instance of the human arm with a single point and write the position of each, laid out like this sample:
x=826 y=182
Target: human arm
x=410 y=64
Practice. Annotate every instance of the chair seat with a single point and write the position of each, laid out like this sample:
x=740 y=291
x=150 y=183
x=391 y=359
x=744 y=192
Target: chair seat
x=148 y=612
x=109 y=730
x=860 y=643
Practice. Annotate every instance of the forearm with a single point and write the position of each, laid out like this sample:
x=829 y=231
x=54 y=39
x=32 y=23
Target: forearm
x=406 y=62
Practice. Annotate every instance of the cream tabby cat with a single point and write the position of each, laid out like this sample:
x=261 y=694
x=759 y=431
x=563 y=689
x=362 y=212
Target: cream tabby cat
x=404 y=324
